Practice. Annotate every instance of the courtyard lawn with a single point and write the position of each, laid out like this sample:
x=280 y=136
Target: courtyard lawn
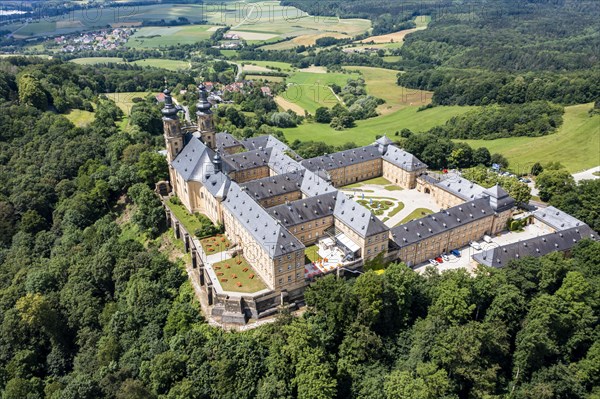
x=397 y=209
x=576 y=144
x=393 y=187
x=365 y=131
x=237 y=275
x=416 y=214
x=214 y=245
x=378 y=207
x=379 y=181
x=311 y=254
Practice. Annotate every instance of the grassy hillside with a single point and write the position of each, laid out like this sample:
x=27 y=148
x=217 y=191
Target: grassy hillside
x=151 y=37
x=311 y=90
x=365 y=131
x=576 y=144
x=381 y=83
x=172 y=65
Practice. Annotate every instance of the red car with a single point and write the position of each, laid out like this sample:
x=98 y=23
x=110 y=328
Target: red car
x=439 y=259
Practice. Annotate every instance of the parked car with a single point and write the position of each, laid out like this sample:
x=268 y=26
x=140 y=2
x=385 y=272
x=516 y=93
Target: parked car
x=439 y=259
x=475 y=245
x=433 y=262
x=487 y=239
x=445 y=257
x=455 y=252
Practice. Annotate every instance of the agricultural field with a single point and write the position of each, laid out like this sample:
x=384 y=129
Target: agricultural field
x=116 y=16
x=97 y=60
x=365 y=130
x=153 y=37
x=284 y=66
x=576 y=144
x=172 y=65
x=398 y=37
x=256 y=22
x=309 y=90
x=266 y=78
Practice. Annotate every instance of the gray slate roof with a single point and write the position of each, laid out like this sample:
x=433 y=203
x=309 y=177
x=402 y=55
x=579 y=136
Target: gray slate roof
x=357 y=217
x=274 y=185
x=247 y=160
x=304 y=210
x=226 y=140
x=256 y=143
x=461 y=187
x=384 y=140
x=342 y=158
x=403 y=159
x=194 y=160
x=556 y=218
x=499 y=199
x=535 y=247
x=270 y=234
x=194 y=163
x=440 y=222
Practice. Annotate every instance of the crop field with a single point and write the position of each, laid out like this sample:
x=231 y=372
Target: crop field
x=365 y=130
x=284 y=66
x=97 y=60
x=266 y=78
x=172 y=65
x=576 y=144
x=123 y=15
x=310 y=90
x=398 y=37
x=152 y=37
x=256 y=22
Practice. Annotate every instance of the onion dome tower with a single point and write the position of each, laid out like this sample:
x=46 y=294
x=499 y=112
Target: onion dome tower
x=205 y=118
x=171 y=127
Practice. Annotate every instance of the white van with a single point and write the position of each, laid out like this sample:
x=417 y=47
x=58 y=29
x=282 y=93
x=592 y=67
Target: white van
x=487 y=239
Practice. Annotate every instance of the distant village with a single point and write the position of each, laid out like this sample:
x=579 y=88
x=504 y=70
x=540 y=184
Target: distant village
x=106 y=39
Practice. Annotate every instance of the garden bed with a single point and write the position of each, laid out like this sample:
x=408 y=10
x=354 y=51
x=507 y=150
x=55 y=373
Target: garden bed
x=237 y=275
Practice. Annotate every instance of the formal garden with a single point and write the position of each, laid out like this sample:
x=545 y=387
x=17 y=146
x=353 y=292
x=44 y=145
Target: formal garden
x=236 y=274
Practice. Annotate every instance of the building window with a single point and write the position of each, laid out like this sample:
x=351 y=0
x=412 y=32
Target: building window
x=280 y=281
x=289 y=279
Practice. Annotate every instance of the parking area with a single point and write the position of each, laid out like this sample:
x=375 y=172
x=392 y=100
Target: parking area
x=466 y=261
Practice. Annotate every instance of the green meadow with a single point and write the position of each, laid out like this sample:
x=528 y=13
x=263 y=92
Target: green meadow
x=172 y=65
x=576 y=144
x=152 y=37
x=365 y=130
x=311 y=90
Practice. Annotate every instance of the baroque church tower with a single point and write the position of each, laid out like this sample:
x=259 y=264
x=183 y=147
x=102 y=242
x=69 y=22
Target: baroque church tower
x=172 y=132
x=205 y=119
